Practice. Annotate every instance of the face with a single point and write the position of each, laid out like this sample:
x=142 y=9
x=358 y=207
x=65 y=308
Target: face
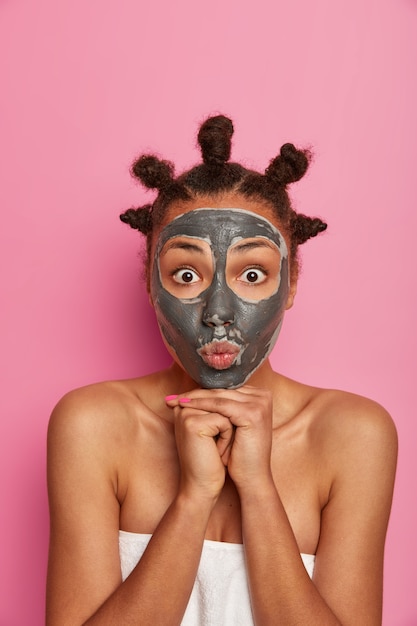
x=220 y=285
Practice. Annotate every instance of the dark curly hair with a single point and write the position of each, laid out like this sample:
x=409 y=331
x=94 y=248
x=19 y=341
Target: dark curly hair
x=216 y=175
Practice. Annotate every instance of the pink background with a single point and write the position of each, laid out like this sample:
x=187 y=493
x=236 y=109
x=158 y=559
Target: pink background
x=85 y=86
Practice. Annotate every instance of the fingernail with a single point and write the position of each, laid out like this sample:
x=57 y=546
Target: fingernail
x=173 y=397
x=185 y=400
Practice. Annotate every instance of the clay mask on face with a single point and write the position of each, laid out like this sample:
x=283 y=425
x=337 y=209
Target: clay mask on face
x=220 y=285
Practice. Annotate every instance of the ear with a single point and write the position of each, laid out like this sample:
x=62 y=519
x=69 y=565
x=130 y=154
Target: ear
x=291 y=294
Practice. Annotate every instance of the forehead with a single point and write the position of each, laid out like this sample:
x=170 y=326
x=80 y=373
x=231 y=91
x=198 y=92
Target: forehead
x=221 y=227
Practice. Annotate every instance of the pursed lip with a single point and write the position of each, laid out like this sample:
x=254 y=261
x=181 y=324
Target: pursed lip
x=220 y=355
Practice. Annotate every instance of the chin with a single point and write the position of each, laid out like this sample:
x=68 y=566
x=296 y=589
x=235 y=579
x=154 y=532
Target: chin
x=231 y=378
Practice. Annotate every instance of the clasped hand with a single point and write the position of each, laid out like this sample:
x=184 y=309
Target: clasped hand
x=219 y=430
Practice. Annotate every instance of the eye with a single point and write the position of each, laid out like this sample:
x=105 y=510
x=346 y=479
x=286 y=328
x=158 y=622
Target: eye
x=253 y=275
x=185 y=276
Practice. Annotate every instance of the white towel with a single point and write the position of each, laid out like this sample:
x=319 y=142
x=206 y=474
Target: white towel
x=220 y=596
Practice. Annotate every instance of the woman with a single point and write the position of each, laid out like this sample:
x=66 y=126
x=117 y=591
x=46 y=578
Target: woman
x=218 y=491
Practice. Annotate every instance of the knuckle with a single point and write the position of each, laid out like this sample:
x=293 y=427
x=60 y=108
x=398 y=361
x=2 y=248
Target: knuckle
x=220 y=403
x=183 y=417
x=189 y=422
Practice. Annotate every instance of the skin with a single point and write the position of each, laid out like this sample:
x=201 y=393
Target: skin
x=280 y=466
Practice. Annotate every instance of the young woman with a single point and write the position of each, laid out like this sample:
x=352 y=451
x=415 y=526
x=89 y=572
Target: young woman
x=218 y=492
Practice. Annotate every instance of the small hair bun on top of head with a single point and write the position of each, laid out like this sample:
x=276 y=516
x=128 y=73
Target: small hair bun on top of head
x=139 y=219
x=289 y=166
x=153 y=172
x=215 y=140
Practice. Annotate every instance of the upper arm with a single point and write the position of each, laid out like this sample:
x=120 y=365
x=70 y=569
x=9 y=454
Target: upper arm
x=84 y=565
x=349 y=560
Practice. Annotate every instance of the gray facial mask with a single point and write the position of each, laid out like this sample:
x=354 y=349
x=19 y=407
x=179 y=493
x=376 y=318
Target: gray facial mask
x=218 y=319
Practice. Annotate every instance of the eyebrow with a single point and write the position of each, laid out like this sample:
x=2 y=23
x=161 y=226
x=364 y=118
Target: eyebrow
x=250 y=245
x=182 y=245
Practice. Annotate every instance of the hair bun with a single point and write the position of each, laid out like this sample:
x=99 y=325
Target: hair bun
x=214 y=138
x=153 y=172
x=289 y=166
x=139 y=219
x=305 y=227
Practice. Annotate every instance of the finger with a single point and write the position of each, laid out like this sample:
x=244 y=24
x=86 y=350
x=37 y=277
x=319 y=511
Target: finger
x=182 y=413
x=175 y=399
x=225 y=438
x=172 y=400
x=203 y=423
x=224 y=446
x=226 y=406
x=252 y=412
x=239 y=395
x=253 y=391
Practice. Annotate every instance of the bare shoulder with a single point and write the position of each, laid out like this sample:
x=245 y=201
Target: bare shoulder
x=96 y=398
x=353 y=421
x=93 y=433
x=356 y=444
x=337 y=416
x=348 y=433
x=100 y=407
x=88 y=453
x=102 y=418
x=355 y=440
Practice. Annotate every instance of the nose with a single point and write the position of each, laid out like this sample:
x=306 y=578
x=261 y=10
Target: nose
x=218 y=310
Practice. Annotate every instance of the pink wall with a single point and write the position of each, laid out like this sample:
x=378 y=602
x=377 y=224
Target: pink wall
x=85 y=86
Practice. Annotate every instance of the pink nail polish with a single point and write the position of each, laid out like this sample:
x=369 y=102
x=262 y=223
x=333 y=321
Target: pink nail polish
x=173 y=397
x=185 y=400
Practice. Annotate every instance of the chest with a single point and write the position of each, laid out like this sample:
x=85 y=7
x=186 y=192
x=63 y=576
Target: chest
x=148 y=482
